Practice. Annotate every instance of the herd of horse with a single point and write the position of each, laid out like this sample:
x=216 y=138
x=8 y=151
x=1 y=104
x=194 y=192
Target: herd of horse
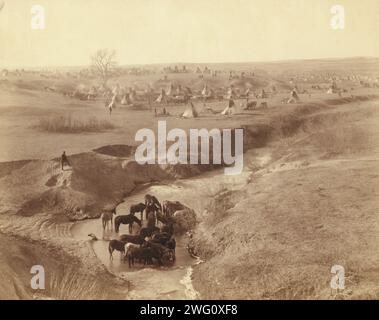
x=151 y=243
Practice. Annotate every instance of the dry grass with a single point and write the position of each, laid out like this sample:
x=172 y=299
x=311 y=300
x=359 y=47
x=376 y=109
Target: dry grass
x=218 y=208
x=289 y=227
x=66 y=124
x=70 y=285
x=347 y=139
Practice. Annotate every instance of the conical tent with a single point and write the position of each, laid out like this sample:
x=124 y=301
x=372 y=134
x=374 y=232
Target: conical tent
x=190 y=112
x=294 y=95
x=124 y=100
x=206 y=92
x=230 y=93
x=132 y=96
x=116 y=89
x=170 y=89
x=162 y=97
x=230 y=109
x=330 y=91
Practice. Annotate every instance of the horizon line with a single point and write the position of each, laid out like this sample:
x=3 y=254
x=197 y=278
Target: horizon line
x=291 y=60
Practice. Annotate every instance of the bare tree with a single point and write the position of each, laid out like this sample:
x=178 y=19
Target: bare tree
x=103 y=63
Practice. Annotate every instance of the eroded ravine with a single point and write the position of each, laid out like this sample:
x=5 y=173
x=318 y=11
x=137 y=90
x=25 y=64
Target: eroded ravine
x=172 y=282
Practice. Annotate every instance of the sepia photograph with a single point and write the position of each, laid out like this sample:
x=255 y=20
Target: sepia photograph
x=189 y=150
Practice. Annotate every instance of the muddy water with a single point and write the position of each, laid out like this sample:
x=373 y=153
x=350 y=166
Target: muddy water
x=151 y=282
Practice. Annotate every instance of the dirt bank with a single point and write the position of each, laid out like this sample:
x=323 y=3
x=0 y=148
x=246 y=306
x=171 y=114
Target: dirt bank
x=314 y=205
x=93 y=182
x=66 y=276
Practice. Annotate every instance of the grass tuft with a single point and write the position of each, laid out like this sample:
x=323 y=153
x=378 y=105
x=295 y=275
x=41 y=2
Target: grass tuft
x=66 y=124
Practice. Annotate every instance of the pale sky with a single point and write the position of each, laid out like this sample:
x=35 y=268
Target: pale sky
x=164 y=31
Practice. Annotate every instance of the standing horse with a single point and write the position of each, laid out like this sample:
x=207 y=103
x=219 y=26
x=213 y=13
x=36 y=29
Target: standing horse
x=151 y=220
x=126 y=219
x=151 y=210
x=163 y=218
x=106 y=217
x=149 y=199
x=170 y=207
x=116 y=245
x=137 y=208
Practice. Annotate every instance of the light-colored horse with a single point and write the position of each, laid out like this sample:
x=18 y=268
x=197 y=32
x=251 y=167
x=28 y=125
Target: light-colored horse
x=106 y=217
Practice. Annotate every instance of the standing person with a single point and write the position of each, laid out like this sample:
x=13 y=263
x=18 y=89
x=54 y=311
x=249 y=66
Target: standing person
x=247 y=94
x=64 y=160
x=149 y=95
x=112 y=104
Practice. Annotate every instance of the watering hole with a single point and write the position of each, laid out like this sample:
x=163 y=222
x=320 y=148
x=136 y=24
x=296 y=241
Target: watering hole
x=172 y=282
x=152 y=282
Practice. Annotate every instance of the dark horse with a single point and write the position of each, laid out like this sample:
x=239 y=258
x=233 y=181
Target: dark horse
x=152 y=206
x=149 y=199
x=151 y=209
x=132 y=238
x=137 y=208
x=126 y=219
